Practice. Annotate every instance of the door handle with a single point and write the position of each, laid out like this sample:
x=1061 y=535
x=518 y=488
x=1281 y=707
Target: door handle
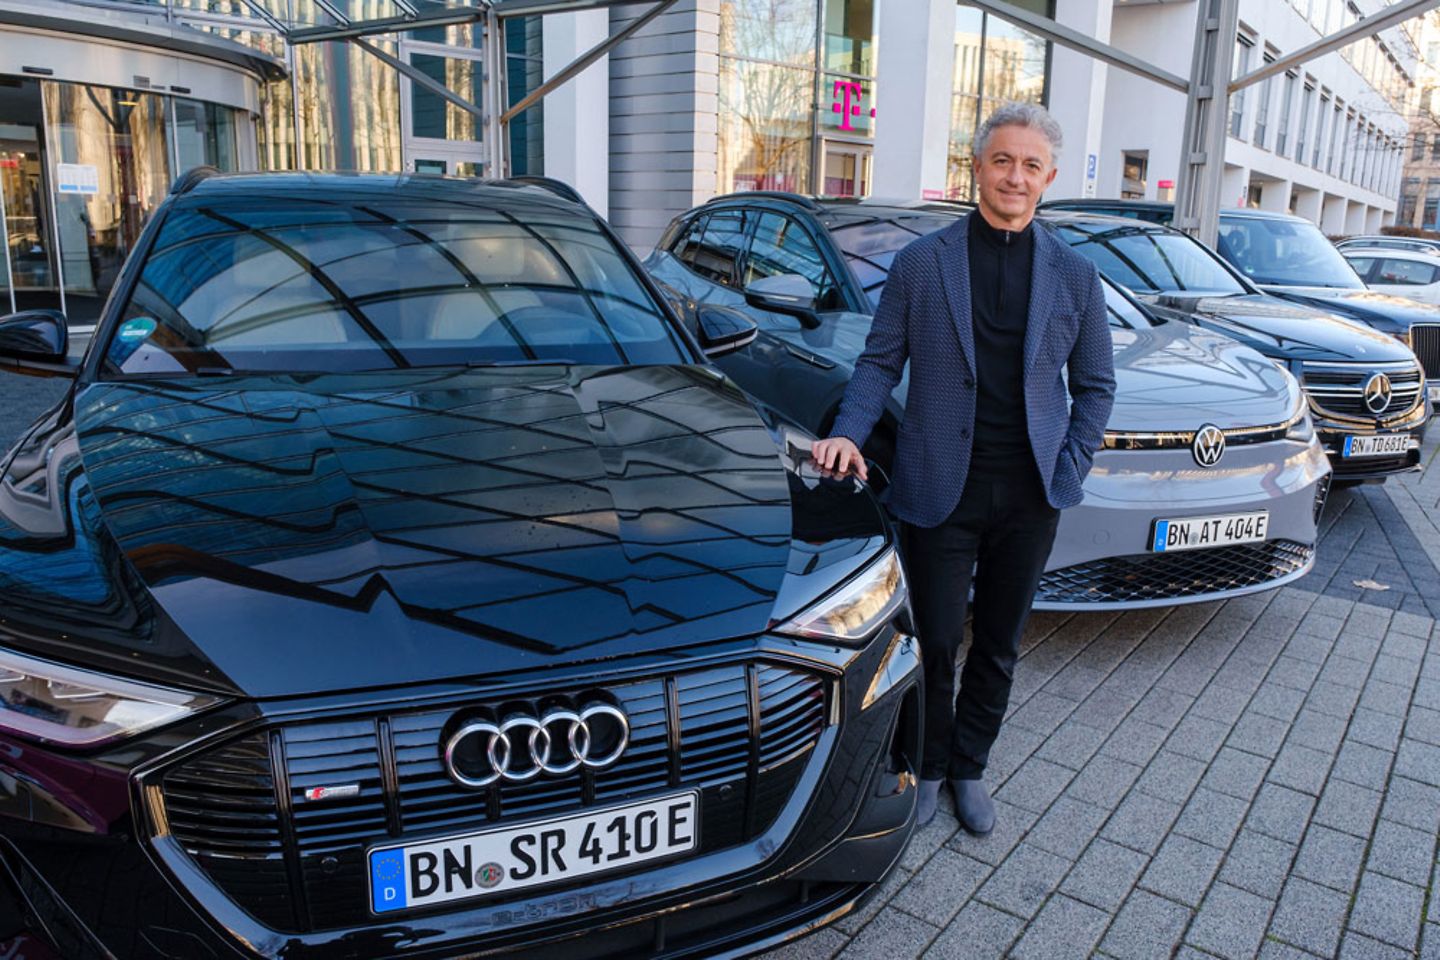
x=810 y=358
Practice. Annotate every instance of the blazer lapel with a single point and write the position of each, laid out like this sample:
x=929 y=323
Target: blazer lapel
x=953 y=255
x=1041 y=294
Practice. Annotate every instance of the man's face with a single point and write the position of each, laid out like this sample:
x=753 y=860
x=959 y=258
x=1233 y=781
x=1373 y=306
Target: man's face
x=1013 y=172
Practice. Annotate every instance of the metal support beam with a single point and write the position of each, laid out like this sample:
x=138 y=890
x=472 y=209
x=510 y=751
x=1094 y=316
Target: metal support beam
x=1075 y=40
x=334 y=13
x=1386 y=18
x=1202 y=139
x=254 y=7
x=586 y=59
x=366 y=28
x=504 y=9
x=419 y=76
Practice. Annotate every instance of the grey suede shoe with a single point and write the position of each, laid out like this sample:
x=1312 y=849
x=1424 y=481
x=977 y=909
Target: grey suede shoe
x=929 y=801
x=973 y=806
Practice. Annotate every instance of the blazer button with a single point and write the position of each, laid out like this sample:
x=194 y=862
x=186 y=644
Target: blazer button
x=965 y=432
x=969 y=383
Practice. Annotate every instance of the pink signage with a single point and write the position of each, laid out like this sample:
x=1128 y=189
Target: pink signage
x=847 y=97
x=932 y=194
x=1165 y=184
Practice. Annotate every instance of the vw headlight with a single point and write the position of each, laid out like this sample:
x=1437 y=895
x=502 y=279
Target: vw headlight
x=76 y=708
x=854 y=611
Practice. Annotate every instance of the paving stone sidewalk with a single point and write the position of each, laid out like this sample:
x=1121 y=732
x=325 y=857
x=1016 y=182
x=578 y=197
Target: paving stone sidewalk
x=1254 y=778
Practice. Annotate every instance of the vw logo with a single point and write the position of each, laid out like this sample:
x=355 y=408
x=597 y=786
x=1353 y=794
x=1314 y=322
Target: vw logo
x=522 y=746
x=1377 y=394
x=1208 y=446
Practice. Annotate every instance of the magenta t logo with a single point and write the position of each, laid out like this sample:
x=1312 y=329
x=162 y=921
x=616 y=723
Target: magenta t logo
x=847 y=96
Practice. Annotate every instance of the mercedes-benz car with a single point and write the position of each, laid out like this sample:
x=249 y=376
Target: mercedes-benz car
x=1367 y=391
x=1288 y=257
x=1211 y=481
x=400 y=579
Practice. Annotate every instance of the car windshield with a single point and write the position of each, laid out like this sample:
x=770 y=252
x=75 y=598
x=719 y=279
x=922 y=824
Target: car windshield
x=869 y=245
x=1291 y=253
x=1148 y=259
x=319 y=285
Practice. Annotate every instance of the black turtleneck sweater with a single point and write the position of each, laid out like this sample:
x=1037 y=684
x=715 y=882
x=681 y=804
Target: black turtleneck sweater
x=1000 y=262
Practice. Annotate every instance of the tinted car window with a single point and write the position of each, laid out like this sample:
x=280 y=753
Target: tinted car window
x=781 y=245
x=1361 y=265
x=870 y=246
x=1148 y=259
x=1284 y=252
x=267 y=284
x=1121 y=312
x=720 y=247
x=687 y=243
x=1406 y=272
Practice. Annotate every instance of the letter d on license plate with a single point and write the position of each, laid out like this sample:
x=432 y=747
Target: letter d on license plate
x=500 y=861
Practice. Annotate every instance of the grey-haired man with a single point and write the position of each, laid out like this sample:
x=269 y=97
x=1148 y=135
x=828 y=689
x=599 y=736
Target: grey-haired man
x=989 y=313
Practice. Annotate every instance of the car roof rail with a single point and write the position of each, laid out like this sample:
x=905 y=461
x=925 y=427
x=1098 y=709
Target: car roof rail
x=188 y=180
x=558 y=187
x=808 y=203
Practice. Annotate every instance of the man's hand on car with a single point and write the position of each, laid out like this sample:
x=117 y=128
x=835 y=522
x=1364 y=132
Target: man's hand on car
x=838 y=456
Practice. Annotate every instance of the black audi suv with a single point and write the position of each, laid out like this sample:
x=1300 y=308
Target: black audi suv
x=400 y=579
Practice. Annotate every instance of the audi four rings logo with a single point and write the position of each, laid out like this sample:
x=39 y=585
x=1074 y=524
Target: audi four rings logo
x=522 y=746
x=1377 y=393
x=1208 y=446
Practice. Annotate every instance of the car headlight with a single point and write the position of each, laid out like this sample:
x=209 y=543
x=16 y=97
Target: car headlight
x=1302 y=428
x=854 y=611
x=76 y=708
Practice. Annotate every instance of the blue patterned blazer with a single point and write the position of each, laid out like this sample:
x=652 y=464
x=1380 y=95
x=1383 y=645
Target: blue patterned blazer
x=924 y=318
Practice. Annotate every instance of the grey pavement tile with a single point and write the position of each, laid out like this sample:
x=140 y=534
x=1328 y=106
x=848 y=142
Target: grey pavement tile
x=1075 y=682
x=1300 y=768
x=1334 y=699
x=1064 y=928
x=1104 y=874
x=1104 y=709
x=1427 y=693
x=1375 y=728
x=1035 y=785
x=1422 y=723
x=939 y=889
x=978 y=932
x=1235 y=773
x=1220 y=703
x=1134 y=741
x=1430 y=942
x=1231 y=923
x=1212 y=818
x=1198 y=737
x=1357 y=947
x=1067 y=827
x=1146 y=927
x=1012 y=748
x=1071 y=745
x=1021 y=884
x=1104 y=781
x=1163 y=707
x=1242 y=675
x=1330 y=857
x=1277 y=702
x=1396 y=670
x=1310 y=916
x=1419 y=761
x=1042 y=713
x=1405 y=647
x=1363 y=764
x=1401 y=852
x=1387 y=698
x=1182 y=870
x=1324 y=626
x=1317 y=730
x=1309 y=648
x=1412 y=625
x=1293 y=672
x=1258 y=734
x=1142 y=822
x=1258 y=864
x=1343 y=672
x=932 y=836
x=1348 y=807
x=851 y=923
x=820 y=945
x=891 y=934
x=1281 y=813
x=1412 y=803
x=1171 y=776
x=1387 y=910
x=1011 y=823
x=1275 y=950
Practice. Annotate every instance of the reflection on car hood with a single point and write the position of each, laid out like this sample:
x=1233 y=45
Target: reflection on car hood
x=1174 y=377
x=1283 y=330
x=1366 y=305
x=283 y=535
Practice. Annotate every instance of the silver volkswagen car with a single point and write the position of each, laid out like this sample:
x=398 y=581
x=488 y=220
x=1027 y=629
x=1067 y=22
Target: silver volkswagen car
x=1211 y=482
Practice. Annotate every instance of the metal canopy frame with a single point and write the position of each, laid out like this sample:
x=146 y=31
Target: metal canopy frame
x=1207 y=92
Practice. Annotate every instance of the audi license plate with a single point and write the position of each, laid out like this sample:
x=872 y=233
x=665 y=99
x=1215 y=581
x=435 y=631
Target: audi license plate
x=1192 y=533
x=494 y=862
x=1386 y=446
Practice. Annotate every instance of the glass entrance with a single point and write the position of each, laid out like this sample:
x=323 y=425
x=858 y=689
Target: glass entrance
x=847 y=169
x=28 y=271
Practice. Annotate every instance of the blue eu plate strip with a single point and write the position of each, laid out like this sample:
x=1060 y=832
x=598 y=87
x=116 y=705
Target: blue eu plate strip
x=387 y=880
x=1162 y=530
x=1348 y=441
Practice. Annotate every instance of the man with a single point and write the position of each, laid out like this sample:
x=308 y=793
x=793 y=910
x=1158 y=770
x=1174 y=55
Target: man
x=992 y=314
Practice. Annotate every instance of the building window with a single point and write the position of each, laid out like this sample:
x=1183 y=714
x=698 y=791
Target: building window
x=1435 y=147
x=1336 y=121
x=1307 y=100
x=1132 y=185
x=1262 y=109
x=1430 y=219
x=1237 y=101
x=349 y=107
x=524 y=71
x=1287 y=94
x=1320 y=116
x=1409 y=200
x=1417 y=147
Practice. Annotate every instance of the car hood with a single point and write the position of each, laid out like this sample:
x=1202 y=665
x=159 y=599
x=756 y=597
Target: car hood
x=1395 y=314
x=1174 y=377
x=275 y=536
x=1281 y=329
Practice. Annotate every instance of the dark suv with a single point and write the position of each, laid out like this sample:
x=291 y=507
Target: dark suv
x=398 y=578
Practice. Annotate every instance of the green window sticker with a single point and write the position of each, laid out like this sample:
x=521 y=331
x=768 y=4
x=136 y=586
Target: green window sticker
x=133 y=331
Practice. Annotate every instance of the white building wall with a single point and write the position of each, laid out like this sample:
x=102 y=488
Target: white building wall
x=577 y=116
x=1077 y=97
x=917 y=46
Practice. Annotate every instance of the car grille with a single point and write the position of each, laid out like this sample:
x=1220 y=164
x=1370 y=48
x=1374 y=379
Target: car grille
x=1338 y=388
x=1174 y=576
x=740 y=734
x=1425 y=341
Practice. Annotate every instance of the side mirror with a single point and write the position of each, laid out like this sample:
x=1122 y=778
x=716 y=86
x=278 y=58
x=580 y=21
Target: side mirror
x=723 y=330
x=788 y=293
x=36 y=342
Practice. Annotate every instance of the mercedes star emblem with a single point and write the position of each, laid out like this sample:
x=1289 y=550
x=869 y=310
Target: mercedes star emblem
x=1377 y=394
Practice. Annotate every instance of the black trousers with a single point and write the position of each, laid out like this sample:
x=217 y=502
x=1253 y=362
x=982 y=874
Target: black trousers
x=1000 y=533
